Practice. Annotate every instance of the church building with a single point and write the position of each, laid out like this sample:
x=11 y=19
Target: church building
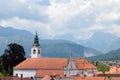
x=38 y=67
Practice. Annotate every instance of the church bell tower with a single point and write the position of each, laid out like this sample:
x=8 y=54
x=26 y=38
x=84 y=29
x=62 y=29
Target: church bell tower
x=36 y=49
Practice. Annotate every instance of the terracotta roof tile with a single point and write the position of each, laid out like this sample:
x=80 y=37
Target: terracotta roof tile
x=10 y=78
x=114 y=70
x=46 y=78
x=89 y=78
x=84 y=64
x=52 y=63
x=42 y=63
x=42 y=73
x=26 y=79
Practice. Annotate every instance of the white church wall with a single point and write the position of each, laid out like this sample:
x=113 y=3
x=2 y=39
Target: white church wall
x=87 y=73
x=71 y=68
x=95 y=72
x=25 y=73
x=71 y=64
x=80 y=73
x=70 y=72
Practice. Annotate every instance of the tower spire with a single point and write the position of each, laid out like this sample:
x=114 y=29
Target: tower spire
x=36 y=49
x=36 y=40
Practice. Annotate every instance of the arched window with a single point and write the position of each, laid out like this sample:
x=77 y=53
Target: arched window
x=38 y=51
x=34 y=51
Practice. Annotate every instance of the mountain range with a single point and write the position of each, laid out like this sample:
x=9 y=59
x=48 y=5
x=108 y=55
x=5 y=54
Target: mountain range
x=50 y=48
x=96 y=45
x=102 y=41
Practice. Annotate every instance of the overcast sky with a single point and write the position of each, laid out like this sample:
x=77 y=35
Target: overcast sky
x=72 y=19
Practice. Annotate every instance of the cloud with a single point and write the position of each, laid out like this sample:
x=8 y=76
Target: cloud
x=44 y=30
x=43 y=2
x=62 y=18
x=25 y=9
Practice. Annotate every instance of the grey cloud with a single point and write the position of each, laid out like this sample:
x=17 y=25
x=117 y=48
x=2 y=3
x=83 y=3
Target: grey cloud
x=108 y=23
x=62 y=1
x=80 y=21
x=43 y=2
x=74 y=23
x=117 y=21
x=14 y=9
x=66 y=36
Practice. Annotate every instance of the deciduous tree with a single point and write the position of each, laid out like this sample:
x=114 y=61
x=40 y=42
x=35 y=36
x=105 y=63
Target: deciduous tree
x=12 y=56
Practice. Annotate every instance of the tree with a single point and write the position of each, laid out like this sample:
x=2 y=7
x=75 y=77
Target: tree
x=96 y=63
x=102 y=67
x=12 y=56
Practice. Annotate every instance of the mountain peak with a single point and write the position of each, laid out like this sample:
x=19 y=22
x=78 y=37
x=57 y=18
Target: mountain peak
x=104 y=35
x=101 y=41
x=9 y=31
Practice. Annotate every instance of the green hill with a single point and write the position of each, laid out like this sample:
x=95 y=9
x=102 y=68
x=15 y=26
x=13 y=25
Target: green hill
x=112 y=55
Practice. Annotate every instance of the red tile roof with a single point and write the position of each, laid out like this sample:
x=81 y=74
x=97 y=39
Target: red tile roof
x=14 y=78
x=10 y=78
x=90 y=78
x=52 y=64
x=26 y=78
x=84 y=64
x=42 y=63
x=114 y=70
x=42 y=73
x=46 y=78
